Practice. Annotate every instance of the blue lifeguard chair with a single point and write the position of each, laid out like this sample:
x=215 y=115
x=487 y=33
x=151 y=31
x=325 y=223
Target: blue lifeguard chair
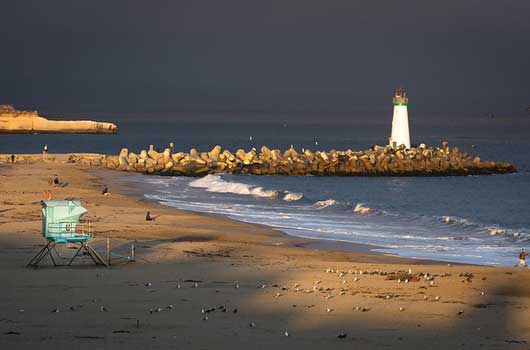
x=61 y=224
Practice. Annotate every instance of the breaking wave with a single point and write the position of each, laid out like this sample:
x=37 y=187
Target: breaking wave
x=293 y=196
x=214 y=183
x=324 y=204
x=361 y=209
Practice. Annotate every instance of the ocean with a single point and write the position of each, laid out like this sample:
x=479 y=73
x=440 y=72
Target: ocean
x=473 y=219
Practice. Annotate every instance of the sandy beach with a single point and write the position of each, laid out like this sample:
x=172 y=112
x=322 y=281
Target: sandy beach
x=202 y=282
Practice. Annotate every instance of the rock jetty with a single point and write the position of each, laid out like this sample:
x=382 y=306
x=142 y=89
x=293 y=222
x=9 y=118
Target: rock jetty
x=377 y=161
x=13 y=121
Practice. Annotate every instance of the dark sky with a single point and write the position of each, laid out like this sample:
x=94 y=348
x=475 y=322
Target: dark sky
x=301 y=55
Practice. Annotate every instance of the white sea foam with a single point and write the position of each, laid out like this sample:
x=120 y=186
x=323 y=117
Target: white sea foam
x=361 y=209
x=324 y=204
x=214 y=183
x=293 y=196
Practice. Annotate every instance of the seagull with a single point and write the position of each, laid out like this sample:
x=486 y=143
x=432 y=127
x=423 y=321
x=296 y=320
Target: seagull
x=250 y=138
x=401 y=309
x=437 y=298
x=196 y=285
x=410 y=271
x=252 y=325
x=407 y=280
x=286 y=333
x=103 y=309
x=355 y=279
x=341 y=335
x=170 y=306
x=178 y=286
x=482 y=293
x=329 y=310
x=237 y=286
x=148 y=284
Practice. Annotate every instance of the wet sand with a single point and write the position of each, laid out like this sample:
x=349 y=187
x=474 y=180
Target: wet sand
x=187 y=263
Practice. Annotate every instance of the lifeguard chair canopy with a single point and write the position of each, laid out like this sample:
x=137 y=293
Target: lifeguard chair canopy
x=61 y=221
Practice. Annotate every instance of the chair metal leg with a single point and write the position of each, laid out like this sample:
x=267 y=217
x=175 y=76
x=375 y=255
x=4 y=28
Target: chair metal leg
x=95 y=256
x=75 y=255
x=47 y=250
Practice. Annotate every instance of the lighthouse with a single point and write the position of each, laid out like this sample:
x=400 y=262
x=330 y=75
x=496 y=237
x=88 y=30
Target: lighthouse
x=400 y=121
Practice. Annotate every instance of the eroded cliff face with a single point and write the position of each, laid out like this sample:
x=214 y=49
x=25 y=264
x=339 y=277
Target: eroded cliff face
x=19 y=122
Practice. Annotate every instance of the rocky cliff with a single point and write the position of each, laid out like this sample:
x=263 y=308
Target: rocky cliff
x=378 y=161
x=14 y=121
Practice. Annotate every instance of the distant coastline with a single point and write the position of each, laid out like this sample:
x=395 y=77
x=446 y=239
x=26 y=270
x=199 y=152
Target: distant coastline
x=13 y=121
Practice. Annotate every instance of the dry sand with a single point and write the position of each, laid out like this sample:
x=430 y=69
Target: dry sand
x=187 y=263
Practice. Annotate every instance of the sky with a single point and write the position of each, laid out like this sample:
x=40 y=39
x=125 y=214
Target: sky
x=137 y=56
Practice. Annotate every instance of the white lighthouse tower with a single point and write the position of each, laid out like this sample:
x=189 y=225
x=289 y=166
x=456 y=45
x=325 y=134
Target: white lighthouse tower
x=400 y=121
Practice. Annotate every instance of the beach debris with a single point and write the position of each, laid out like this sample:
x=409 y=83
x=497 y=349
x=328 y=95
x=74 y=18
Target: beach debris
x=262 y=286
x=169 y=307
x=328 y=310
x=460 y=312
x=344 y=282
x=341 y=274
x=317 y=282
x=402 y=309
x=425 y=297
x=234 y=311
x=296 y=285
x=341 y=335
x=355 y=279
x=277 y=295
x=365 y=309
x=22 y=310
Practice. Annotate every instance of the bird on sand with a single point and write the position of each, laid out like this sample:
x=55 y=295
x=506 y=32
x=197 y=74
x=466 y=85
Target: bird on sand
x=341 y=335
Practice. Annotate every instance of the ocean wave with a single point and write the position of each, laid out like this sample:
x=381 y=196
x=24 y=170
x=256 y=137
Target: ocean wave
x=214 y=183
x=292 y=196
x=324 y=204
x=453 y=220
x=361 y=209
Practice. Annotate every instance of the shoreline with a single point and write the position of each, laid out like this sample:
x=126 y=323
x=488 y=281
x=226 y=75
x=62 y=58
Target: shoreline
x=119 y=180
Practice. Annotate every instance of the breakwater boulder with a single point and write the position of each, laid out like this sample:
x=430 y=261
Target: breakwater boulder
x=13 y=121
x=377 y=161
